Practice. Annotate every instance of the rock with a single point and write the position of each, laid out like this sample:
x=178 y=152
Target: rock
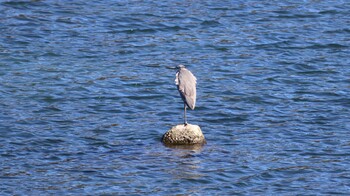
x=181 y=134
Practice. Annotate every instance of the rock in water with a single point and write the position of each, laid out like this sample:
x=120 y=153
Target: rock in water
x=181 y=134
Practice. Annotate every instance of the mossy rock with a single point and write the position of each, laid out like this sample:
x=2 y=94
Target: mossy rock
x=184 y=135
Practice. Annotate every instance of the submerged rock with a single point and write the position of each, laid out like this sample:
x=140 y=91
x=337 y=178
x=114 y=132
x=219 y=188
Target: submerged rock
x=181 y=134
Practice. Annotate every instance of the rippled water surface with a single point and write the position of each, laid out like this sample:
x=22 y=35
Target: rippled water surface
x=87 y=91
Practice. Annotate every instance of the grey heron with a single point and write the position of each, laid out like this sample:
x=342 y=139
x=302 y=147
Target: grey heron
x=186 y=85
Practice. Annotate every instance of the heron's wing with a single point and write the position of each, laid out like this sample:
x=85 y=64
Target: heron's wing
x=186 y=83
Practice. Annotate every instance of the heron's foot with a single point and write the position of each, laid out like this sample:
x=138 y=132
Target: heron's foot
x=185 y=124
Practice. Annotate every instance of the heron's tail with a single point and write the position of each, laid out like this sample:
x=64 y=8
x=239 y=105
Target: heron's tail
x=190 y=102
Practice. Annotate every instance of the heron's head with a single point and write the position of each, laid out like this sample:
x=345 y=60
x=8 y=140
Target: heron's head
x=180 y=66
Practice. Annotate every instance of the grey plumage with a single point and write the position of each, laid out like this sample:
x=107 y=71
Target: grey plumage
x=186 y=85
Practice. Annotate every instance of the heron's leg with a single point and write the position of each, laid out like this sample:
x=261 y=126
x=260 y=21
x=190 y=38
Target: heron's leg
x=185 y=121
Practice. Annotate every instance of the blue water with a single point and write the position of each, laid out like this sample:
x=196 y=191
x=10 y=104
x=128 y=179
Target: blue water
x=87 y=91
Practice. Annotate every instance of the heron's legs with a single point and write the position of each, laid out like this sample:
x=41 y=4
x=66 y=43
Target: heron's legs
x=185 y=121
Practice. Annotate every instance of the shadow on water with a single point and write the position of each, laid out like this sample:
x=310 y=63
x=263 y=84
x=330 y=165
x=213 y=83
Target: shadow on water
x=186 y=167
x=197 y=148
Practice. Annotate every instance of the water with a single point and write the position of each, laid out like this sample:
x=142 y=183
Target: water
x=87 y=91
